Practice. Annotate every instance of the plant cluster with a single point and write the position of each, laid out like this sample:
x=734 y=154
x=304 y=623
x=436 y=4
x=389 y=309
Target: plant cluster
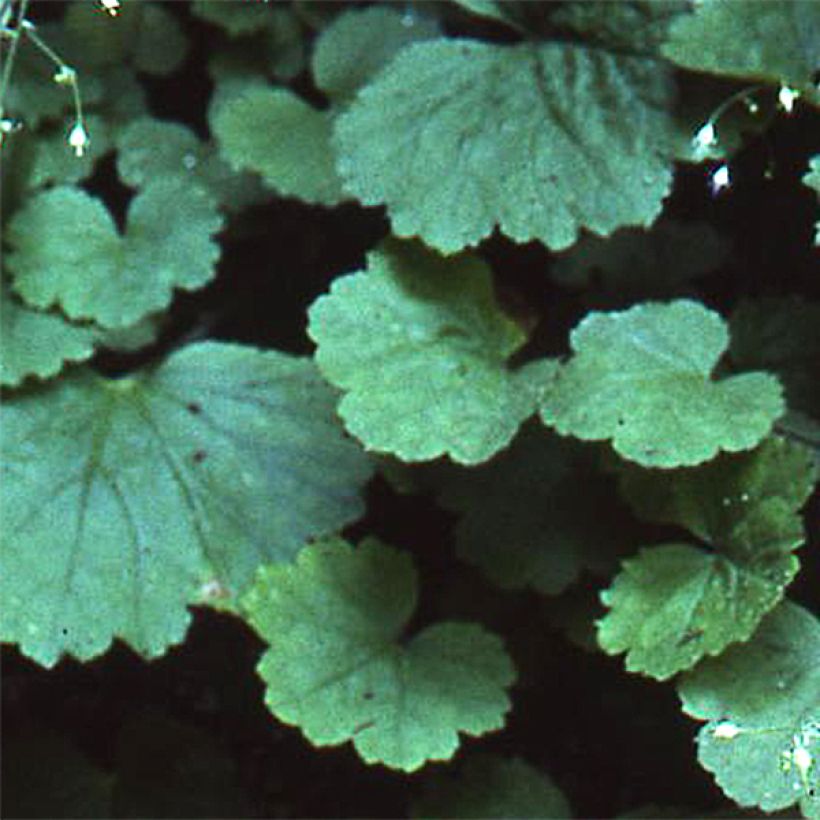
x=535 y=334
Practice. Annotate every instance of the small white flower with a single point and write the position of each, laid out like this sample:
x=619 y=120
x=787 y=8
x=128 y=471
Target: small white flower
x=706 y=136
x=78 y=139
x=786 y=97
x=65 y=76
x=111 y=6
x=720 y=180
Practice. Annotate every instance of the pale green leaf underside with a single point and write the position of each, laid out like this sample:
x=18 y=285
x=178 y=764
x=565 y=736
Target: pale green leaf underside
x=675 y=603
x=278 y=135
x=524 y=521
x=359 y=42
x=457 y=136
x=33 y=343
x=419 y=345
x=762 y=703
x=776 y=40
x=125 y=500
x=492 y=786
x=66 y=250
x=641 y=377
x=337 y=670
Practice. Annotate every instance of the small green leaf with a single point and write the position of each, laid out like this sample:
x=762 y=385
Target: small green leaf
x=762 y=704
x=774 y=41
x=125 y=500
x=419 y=345
x=484 y=8
x=492 y=786
x=641 y=377
x=340 y=668
x=275 y=133
x=359 y=42
x=33 y=343
x=66 y=250
x=236 y=18
x=675 y=603
x=457 y=136
x=523 y=520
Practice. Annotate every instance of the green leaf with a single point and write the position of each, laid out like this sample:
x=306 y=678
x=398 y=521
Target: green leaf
x=654 y=263
x=641 y=377
x=524 y=521
x=144 y=34
x=340 y=668
x=812 y=179
x=419 y=344
x=66 y=250
x=33 y=343
x=492 y=786
x=780 y=335
x=775 y=41
x=762 y=704
x=236 y=18
x=676 y=603
x=360 y=42
x=124 y=500
x=457 y=137
x=275 y=133
x=484 y=8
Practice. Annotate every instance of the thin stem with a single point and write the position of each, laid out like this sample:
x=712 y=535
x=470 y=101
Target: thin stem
x=9 y=62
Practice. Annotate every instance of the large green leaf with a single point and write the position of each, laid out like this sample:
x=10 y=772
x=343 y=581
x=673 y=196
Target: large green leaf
x=457 y=136
x=776 y=40
x=33 y=343
x=762 y=704
x=419 y=344
x=274 y=132
x=66 y=249
x=524 y=520
x=124 y=500
x=675 y=603
x=641 y=377
x=340 y=667
x=492 y=786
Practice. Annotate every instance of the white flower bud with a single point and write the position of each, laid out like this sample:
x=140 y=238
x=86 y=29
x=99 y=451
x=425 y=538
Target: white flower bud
x=78 y=139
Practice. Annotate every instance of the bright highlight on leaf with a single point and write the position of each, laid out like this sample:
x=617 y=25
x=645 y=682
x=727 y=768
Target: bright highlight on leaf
x=66 y=250
x=641 y=377
x=812 y=179
x=457 y=137
x=675 y=603
x=774 y=41
x=769 y=689
x=492 y=786
x=122 y=498
x=340 y=667
x=419 y=345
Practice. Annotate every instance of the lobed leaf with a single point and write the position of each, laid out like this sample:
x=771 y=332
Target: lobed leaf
x=339 y=668
x=762 y=703
x=66 y=250
x=641 y=377
x=457 y=137
x=420 y=347
x=125 y=500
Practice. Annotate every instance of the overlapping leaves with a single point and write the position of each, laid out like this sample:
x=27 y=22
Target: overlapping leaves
x=125 y=500
x=340 y=668
x=675 y=603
